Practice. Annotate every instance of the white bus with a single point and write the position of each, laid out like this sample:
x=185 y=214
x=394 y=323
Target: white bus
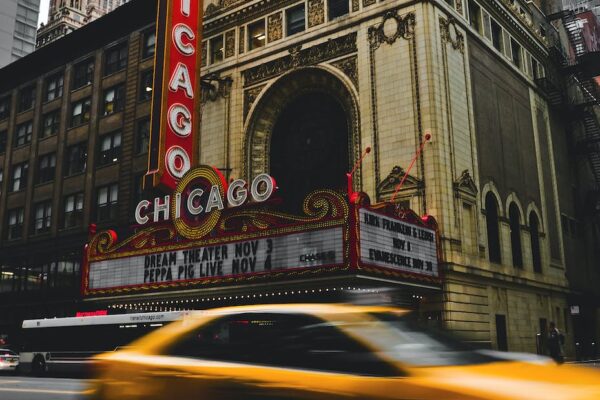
x=67 y=344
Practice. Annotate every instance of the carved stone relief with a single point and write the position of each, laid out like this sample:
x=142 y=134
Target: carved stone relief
x=242 y=42
x=450 y=34
x=367 y=3
x=333 y=48
x=349 y=67
x=204 y=54
x=250 y=96
x=465 y=184
x=316 y=12
x=274 y=27
x=389 y=184
x=393 y=27
x=230 y=44
x=355 y=5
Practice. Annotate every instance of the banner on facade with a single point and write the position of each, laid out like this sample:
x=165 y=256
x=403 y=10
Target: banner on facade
x=389 y=242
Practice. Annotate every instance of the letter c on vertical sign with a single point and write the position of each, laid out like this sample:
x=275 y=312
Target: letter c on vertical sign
x=179 y=31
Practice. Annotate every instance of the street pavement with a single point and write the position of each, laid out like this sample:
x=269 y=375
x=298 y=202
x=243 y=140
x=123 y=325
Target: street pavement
x=13 y=387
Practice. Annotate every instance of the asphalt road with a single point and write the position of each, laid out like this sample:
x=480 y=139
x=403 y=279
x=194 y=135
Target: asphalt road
x=14 y=387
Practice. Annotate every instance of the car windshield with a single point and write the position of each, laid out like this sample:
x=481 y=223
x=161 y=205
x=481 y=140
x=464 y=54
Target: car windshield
x=402 y=339
x=5 y=352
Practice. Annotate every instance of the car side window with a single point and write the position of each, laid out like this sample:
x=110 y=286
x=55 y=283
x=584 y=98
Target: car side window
x=281 y=340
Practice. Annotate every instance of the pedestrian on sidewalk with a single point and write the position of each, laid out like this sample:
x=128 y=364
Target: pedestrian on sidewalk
x=554 y=343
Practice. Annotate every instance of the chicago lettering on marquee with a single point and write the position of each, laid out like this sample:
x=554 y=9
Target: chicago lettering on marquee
x=175 y=104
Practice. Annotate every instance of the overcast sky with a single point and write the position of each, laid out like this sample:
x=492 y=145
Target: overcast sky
x=43 y=11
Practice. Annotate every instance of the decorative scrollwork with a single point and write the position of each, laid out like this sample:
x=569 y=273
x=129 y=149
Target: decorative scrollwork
x=319 y=206
x=106 y=242
x=450 y=34
x=393 y=27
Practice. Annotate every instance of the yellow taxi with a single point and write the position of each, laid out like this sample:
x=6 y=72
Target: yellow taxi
x=316 y=351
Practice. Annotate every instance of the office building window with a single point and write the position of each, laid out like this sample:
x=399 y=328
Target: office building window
x=338 y=8
x=80 y=112
x=256 y=35
x=216 y=49
x=497 y=39
x=475 y=16
x=142 y=136
x=515 y=49
x=514 y=217
x=50 y=124
x=19 y=177
x=149 y=44
x=14 y=223
x=3 y=139
x=54 y=87
x=26 y=98
x=295 y=19
x=146 y=78
x=73 y=210
x=42 y=218
x=536 y=255
x=46 y=168
x=23 y=133
x=115 y=59
x=110 y=148
x=83 y=74
x=76 y=159
x=114 y=100
x=4 y=107
x=106 y=202
x=493 y=228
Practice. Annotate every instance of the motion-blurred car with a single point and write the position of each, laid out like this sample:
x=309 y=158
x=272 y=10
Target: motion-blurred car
x=323 y=352
x=9 y=360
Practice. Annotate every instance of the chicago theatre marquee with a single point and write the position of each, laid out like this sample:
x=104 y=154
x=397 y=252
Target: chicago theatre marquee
x=259 y=118
x=262 y=210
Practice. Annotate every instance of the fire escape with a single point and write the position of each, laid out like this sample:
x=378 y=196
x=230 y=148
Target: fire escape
x=579 y=94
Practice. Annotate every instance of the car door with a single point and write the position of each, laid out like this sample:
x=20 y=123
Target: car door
x=275 y=356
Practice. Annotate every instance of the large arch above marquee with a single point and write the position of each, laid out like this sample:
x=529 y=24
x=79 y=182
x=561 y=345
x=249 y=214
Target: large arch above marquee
x=274 y=98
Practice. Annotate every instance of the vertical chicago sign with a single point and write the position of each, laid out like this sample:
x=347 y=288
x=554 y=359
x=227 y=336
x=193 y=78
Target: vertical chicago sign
x=176 y=96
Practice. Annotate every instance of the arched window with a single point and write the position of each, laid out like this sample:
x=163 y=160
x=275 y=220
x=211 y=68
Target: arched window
x=515 y=235
x=535 y=242
x=493 y=234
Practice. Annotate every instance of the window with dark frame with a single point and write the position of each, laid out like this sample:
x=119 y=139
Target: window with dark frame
x=515 y=49
x=295 y=19
x=53 y=87
x=115 y=59
x=46 y=168
x=149 y=43
x=23 y=133
x=338 y=8
x=534 y=228
x=107 y=202
x=216 y=49
x=73 y=210
x=514 y=217
x=146 y=81
x=493 y=229
x=497 y=39
x=256 y=35
x=142 y=136
x=14 y=223
x=110 y=148
x=42 y=217
x=19 y=177
x=114 y=100
x=80 y=112
x=475 y=16
x=83 y=74
x=75 y=159
x=4 y=107
x=26 y=98
x=3 y=140
x=50 y=124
